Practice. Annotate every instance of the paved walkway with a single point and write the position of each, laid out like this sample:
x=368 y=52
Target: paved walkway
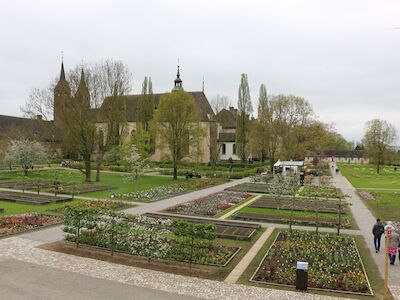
x=365 y=221
x=234 y=276
x=20 y=249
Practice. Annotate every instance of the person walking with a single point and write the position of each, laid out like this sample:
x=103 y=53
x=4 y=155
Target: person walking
x=394 y=241
x=377 y=231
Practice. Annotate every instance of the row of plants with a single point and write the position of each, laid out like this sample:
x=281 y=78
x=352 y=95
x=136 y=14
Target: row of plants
x=24 y=222
x=146 y=236
x=210 y=205
x=162 y=192
x=310 y=190
x=334 y=262
x=235 y=174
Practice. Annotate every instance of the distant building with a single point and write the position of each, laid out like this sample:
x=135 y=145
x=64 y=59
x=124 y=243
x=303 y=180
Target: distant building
x=62 y=96
x=351 y=157
x=288 y=167
x=226 y=119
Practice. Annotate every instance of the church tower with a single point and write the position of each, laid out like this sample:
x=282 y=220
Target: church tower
x=62 y=96
x=82 y=93
x=178 y=82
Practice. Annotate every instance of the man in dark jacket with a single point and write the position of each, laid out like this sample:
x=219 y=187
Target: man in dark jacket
x=377 y=231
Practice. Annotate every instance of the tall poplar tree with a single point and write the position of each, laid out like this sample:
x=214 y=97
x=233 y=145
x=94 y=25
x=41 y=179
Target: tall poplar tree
x=245 y=109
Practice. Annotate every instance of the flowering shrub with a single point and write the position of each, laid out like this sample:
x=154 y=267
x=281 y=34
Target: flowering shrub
x=24 y=222
x=162 y=192
x=210 y=205
x=334 y=262
x=366 y=196
x=145 y=236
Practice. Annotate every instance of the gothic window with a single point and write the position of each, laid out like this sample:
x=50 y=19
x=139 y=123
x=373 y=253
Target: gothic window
x=223 y=148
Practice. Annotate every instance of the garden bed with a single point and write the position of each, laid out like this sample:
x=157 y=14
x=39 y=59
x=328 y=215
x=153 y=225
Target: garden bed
x=86 y=188
x=163 y=192
x=25 y=222
x=298 y=204
x=210 y=205
x=310 y=190
x=30 y=198
x=250 y=188
x=223 y=229
x=334 y=262
x=299 y=220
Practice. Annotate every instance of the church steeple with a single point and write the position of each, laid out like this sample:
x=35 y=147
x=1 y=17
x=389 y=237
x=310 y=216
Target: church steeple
x=82 y=93
x=177 y=82
x=62 y=97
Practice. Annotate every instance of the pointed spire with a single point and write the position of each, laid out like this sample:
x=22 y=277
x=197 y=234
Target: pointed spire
x=82 y=77
x=177 y=82
x=62 y=73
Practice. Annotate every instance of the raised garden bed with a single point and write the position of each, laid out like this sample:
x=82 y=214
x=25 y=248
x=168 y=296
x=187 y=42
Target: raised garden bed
x=163 y=192
x=25 y=222
x=29 y=198
x=334 y=262
x=310 y=190
x=300 y=220
x=298 y=204
x=85 y=188
x=250 y=188
x=210 y=205
x=29 y=185
x=223 y=229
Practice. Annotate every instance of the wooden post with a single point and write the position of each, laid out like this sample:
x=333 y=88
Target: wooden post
x=385 y=280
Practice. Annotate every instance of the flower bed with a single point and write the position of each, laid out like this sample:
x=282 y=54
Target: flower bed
x=299 y=204
x=210 y=205
x=318 y=191
x=250 y=188
x=162 y=192
x=334 y=262
x=104 y=204
x=321 y=220
x=20 y=223
x=366 y=196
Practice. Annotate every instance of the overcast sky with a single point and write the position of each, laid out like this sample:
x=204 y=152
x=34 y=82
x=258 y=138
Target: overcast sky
x=341 y=56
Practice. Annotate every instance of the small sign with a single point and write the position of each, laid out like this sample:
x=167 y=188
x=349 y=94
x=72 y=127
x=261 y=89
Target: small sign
x=301 y=265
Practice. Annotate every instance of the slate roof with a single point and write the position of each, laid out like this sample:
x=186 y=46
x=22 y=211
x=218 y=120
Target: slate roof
x=227 y=118
x=15 y=127
x=200 y=99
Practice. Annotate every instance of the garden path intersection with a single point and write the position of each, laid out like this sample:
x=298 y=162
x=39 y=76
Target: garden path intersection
x=142 y=283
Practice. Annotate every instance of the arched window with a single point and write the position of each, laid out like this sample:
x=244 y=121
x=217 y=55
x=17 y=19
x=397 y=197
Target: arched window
x=234 y=149
x=223 y=148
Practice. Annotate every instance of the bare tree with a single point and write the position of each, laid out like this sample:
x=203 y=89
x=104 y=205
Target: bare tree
x=220 y=102
x=378 y=140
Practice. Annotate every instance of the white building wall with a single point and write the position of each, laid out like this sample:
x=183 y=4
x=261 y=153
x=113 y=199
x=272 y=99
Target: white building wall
x=228 y=151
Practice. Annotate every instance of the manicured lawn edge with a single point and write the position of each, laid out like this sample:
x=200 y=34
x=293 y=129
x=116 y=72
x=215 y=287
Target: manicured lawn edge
x=226 y=211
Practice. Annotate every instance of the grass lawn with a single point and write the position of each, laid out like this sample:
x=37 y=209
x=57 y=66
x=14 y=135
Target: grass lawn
x=386 y=205
x=109 y=179
x=365 y=176
x=370 y=267
x=11 y=208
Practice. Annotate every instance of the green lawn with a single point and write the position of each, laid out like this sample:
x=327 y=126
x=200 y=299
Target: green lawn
x=11 y=208
x=110 y=179
x=365 y=176
x=386 y=205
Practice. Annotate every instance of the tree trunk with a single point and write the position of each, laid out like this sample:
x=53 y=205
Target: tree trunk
x=378 y=167
x=175 y=172
x=98 y=171
x=87 y=171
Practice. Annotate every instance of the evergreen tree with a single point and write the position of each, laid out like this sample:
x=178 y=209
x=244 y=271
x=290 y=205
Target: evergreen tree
x=245 y=109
